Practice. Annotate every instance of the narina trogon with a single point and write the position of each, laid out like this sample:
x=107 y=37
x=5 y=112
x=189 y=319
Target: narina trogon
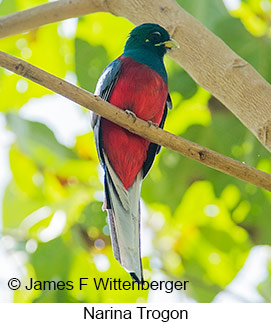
x=137 y=83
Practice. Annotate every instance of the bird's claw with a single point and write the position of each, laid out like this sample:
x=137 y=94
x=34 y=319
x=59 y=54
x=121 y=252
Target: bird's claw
x=104 y=206
x=131 y=113
x=150 y=123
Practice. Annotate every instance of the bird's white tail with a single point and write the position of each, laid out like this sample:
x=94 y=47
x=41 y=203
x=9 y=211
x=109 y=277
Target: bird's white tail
x=123 y=210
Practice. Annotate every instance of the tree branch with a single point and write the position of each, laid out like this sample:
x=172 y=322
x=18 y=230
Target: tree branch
x=209 y=61
x=139 y=127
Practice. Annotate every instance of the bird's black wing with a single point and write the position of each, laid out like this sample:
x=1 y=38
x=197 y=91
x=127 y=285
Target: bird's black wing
x=104 y=89
x=154 y=149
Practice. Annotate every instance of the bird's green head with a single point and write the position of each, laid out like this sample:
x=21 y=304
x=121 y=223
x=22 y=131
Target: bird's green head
x=151 y=37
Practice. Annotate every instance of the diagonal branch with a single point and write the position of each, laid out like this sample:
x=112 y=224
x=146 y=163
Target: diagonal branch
x=209 y=61
x=139 y=127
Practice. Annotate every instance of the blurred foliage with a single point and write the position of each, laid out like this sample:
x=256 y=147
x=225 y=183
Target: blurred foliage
x=256 y=16
x=204 y=223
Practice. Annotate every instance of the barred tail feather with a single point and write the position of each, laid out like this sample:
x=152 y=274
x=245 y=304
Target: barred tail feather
x=124 y=220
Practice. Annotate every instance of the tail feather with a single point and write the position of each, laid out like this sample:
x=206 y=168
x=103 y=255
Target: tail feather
x=124 y=221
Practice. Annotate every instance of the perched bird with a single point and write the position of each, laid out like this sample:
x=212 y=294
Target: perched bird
x=137 y=83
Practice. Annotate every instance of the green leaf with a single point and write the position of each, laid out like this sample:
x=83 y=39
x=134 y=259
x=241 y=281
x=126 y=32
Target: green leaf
x=208 y=12
x=26 y=4
x=89 y=63
x=24 y=173
x=39 y=143
x=59 y=253
x=93 y=216
x=7 y=7
x=105 y=29
x=42 y=47
x=35 y=138
x=17 y=206
x=179 y=80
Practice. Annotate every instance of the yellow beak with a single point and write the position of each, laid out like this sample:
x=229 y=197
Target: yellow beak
x=169 y=44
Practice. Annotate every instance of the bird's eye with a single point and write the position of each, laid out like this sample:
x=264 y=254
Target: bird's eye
x=156 y=36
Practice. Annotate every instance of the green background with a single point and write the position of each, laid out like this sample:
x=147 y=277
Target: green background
x=200 y=224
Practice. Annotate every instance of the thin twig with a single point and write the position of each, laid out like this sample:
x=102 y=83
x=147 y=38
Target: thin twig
x=142 y=128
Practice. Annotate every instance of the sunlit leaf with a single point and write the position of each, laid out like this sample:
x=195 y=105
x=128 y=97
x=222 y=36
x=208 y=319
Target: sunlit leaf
x=16 y=206
x=106 y=30
x=89 y=63
x=7 y=7
x=42 y=47
x=208 y=12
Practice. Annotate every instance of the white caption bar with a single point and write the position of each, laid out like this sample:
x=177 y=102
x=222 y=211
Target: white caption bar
x=155 y=312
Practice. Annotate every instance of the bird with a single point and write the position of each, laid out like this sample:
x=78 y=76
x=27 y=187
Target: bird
x=137 y=83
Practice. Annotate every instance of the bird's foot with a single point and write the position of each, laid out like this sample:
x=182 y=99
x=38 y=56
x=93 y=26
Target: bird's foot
x=131 y=113
x=150 y=123
x=104 y=206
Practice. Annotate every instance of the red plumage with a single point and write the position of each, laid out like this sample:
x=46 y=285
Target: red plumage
x=143 y=91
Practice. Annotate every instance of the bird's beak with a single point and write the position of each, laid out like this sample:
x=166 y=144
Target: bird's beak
x=169 y=44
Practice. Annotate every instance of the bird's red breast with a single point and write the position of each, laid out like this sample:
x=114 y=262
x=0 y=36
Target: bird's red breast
x=143 y=91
